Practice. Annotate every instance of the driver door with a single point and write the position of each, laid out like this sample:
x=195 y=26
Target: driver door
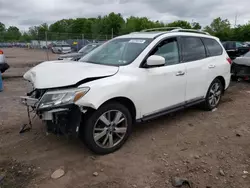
x=164 y=86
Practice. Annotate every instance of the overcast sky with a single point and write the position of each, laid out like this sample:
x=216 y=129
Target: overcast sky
x=26 y=13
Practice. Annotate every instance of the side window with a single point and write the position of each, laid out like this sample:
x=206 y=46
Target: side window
x=169 y=50
x=213 y=47
x=239 y=44
x=231 y=45
x=192 y=49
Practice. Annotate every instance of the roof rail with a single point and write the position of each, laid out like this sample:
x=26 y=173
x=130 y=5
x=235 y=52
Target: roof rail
x=190 y=30
x=161 y=29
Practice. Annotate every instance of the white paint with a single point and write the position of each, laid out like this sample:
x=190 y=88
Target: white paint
x=150 y=89
x=53 y=74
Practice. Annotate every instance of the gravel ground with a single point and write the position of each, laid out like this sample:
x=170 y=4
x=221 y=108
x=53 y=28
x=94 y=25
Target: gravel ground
x=210 y=149
x=21 y=60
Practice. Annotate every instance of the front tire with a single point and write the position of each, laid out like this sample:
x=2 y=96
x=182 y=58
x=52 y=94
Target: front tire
x=214 y=94
x=108 y=128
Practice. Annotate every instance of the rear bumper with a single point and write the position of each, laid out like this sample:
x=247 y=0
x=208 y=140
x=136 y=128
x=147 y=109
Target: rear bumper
x=238 y=70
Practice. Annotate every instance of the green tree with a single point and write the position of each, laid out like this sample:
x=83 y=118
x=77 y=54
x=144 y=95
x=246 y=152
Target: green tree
x=112 y=23
x=33 y=32
x=102 y=27
x=134 y=24
x=196 y=25
x=2 y=27
x=180 y=23
x=26 y=37
x=13 y=34
x=2 y=32
x=220 y=28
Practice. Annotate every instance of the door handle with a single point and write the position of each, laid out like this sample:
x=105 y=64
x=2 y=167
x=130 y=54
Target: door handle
x=211 y=66
x=180 y=73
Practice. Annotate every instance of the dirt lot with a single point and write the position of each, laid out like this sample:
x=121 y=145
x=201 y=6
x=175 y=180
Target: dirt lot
x=22 y=59
x=211 y=149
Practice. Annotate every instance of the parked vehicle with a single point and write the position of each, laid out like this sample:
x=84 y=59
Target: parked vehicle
x=61 y=48
x=131 y=78
x=82 y=52
x=241 y=67
x=247 y=44
x=3 y=65
x=235 y=48
x=6 y=45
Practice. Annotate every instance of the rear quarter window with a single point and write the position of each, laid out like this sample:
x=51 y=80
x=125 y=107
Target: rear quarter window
x=192 y=49
x=213 y=47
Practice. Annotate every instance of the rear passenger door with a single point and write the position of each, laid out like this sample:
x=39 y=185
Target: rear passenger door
x=194 y=57
x=216 y=62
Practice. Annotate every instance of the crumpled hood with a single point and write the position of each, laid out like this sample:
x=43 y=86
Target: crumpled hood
x=53 y=74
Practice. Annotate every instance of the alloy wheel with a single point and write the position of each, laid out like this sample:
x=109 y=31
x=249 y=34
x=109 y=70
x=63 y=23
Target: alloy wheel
x=214 y=94
x=110 y=129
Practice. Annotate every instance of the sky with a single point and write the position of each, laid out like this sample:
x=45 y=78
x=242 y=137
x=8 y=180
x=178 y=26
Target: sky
x=26 y=13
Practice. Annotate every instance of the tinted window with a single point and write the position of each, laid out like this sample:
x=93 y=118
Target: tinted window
x=230 y=45
x=239 y=44
x=224 y=44
x=213 y=47
x=169 y=50
x=193 y=49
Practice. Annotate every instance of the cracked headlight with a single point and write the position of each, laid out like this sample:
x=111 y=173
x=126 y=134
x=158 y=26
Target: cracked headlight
x=62 y=97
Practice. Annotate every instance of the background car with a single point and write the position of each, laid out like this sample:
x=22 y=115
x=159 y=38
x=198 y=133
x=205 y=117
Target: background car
x=3 y=65
x=247 y=43
x=241 y=67
x=235 y=48
x=82 y=52
x=61 y=48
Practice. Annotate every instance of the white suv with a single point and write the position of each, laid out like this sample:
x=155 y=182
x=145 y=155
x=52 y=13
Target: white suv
x=131 y=78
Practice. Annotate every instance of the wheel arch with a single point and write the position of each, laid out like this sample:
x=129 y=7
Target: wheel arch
x=128 y=103
x=223 y=81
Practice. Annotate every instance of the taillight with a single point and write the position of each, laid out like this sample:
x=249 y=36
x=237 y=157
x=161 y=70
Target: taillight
x=1 y=52
x=229 y=60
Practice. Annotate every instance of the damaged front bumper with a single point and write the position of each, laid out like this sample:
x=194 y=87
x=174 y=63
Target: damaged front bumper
x=65 y=119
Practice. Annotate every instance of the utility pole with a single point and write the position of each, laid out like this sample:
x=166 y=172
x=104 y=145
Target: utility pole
x=112 y=33
x=236 y=19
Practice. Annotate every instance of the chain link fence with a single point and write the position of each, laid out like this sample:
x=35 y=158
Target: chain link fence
x=45 y=41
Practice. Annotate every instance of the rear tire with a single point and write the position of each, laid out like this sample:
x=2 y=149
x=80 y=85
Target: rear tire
x=214 y=94
x=107 y=129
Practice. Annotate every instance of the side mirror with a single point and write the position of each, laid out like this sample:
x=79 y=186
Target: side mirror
x=155 y=60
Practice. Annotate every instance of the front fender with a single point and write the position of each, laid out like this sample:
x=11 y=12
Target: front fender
x=107 y=88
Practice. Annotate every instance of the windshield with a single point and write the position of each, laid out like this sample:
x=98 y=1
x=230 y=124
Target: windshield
x=247 y=54
x=117 y=52
x=88 y=48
